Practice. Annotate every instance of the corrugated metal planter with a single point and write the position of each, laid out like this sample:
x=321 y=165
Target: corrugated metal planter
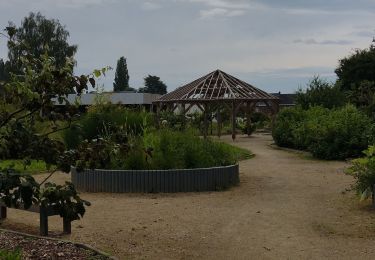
x=184 y=180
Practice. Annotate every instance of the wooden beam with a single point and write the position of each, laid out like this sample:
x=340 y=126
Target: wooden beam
x=183 y=111
x=233 y=121
x=205 y=121
x=249 y=109
x=218 y=118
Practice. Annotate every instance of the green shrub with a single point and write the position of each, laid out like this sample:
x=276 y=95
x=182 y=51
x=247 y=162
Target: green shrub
x=162 y=149
x=363 y=170
x=174 y=150
x=328 y=134
x=103 y=120
x=344 y=133
x=286 y=122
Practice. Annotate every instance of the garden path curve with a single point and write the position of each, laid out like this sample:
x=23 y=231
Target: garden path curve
x=287 y=206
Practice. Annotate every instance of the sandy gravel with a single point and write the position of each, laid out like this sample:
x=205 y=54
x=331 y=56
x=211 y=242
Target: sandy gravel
x=286 y=207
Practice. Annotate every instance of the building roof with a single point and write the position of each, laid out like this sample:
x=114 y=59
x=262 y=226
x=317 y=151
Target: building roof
x=216 y=85
x=124 y=98
x=286 y=99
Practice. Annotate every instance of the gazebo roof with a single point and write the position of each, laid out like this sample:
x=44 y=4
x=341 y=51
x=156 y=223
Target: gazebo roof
x=216 y=85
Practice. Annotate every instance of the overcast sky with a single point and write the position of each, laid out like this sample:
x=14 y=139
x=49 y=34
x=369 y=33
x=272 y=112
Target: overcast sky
x=276 y=45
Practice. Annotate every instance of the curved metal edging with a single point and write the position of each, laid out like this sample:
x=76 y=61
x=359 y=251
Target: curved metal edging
x=145 y=181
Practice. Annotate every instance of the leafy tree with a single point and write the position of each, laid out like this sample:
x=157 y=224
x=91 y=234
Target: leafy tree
x=356 y=76
x=121 y=82
x=2 y=70
x=320 y=93
x=154 y=85
x=27 y=100
x=38 y=35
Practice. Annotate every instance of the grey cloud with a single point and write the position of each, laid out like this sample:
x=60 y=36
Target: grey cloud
x=312 y=41
x=364 y=33
x=150 y=6
x=220 y=12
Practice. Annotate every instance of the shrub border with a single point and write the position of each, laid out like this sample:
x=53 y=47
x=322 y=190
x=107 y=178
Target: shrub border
x=149 y=181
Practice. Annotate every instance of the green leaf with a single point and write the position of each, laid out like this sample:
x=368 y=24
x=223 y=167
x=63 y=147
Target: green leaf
x=97 y=73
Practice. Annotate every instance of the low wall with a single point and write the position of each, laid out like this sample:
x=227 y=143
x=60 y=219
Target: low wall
x=185 y=180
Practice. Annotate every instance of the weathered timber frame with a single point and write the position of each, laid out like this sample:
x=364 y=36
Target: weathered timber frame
x=213 y=93
x=44 y=213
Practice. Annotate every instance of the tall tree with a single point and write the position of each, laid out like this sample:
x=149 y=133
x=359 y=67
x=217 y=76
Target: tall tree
x=154 y=85
x=356 y=76
x=319 y=92
x=38 y=36
x=354 y=69
x=2 y=71
x=121 y=82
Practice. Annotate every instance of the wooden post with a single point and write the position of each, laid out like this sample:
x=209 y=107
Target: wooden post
x=248 y=118
x=3 y=212
x=67 y=226
x=218 y=117
x=233 y=121
x=205 y=121
x=43 y=218
x=183 y=111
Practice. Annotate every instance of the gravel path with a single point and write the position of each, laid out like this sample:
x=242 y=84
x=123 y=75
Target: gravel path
x=286 y=207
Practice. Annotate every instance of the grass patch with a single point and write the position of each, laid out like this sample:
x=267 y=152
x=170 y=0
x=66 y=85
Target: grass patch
x=34 y=168
x=10 y=255
x=239 y=153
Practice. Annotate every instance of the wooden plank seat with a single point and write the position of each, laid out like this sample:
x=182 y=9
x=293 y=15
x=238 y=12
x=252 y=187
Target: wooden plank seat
x=44 y=213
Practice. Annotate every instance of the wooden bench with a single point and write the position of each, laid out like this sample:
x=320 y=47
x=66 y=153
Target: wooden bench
x=44 y=213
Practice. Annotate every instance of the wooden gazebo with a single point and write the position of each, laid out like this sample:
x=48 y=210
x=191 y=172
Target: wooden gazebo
x=214 y=92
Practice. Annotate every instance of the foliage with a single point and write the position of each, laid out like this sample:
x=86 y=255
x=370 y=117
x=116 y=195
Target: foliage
x=357 y=78
x=173 y=121
x=26 y=99
x=328 y=134
x=320 y=93
x=163 y=149
x=286 y=121
x=364 y=97
x=3 y=73
x=104 y=119
x=260 y=120
x=64 y=199
x=154 y=85
x=179 y=150
x=121 y=82
x=10 y=255
x=363 y=170
x=32 y=167
x=17 y=189
x=242 y=125
x=37 y=36
x=355 y=68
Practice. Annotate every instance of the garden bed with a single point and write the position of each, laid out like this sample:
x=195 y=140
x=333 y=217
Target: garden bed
x=14 y=245
x=176 y=180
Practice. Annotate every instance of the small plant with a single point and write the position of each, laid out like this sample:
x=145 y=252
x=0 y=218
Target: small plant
x=10 y=254
x=363 y=170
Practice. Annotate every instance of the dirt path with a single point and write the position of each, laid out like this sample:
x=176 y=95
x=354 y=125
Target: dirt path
x=286 y=207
